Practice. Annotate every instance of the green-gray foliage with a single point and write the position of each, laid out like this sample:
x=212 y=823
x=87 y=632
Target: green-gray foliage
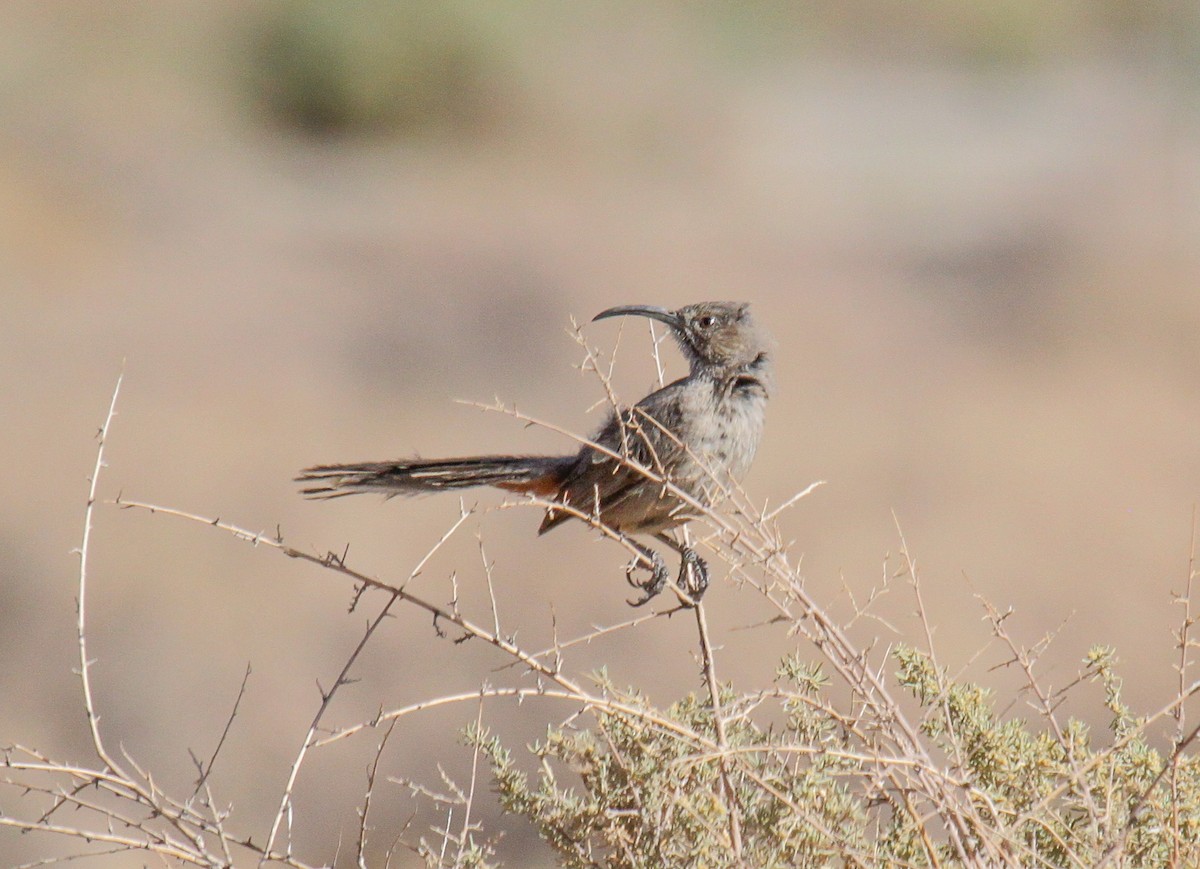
x=365 y=67
x=644 y=787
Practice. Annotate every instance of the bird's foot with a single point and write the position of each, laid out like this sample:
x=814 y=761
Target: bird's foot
x=654 y=583
x=693 y=574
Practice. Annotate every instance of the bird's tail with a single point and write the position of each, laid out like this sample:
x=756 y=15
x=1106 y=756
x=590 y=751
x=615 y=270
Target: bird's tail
x=537 y=475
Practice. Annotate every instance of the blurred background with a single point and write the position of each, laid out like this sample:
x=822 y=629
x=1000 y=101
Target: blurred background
x=304 y=229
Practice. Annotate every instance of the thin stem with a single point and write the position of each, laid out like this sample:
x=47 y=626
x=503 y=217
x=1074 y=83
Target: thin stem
x=85 y=663
x=714 y=694
x=327 y=696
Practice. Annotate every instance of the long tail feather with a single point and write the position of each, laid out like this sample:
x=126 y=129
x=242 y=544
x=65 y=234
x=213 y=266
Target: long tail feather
x=540 y=475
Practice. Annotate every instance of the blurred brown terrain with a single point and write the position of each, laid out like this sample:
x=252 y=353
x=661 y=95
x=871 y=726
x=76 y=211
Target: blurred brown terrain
x=304 y=230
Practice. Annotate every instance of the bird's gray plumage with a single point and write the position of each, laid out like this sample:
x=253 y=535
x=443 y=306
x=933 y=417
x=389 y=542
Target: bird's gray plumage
x=698 y=435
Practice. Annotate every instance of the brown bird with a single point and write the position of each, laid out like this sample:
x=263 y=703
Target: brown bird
x=694 y=436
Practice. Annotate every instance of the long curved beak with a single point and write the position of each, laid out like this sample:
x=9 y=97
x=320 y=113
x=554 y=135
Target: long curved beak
x=671 y=318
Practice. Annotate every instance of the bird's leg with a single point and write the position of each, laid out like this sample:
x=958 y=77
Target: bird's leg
x=693 y=574
x=693 y=570
x=651 y=560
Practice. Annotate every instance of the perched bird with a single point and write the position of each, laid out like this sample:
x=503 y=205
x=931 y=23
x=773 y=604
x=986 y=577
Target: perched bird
x=694 y=436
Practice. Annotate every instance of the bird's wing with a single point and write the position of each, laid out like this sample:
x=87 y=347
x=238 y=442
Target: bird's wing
x=601 y=483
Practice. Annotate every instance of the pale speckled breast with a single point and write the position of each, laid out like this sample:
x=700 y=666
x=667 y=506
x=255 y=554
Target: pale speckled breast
x=729 y=435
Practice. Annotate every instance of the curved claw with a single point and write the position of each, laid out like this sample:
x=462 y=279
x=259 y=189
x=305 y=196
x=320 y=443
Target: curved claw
x=653 y=585
x=693 y=574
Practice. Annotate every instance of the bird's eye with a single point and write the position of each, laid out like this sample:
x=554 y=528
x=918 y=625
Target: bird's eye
x=706 y=322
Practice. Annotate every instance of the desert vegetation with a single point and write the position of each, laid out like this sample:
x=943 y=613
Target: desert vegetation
x=855 y=755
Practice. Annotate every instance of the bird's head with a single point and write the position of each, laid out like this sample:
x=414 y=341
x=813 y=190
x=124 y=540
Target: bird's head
x=720 y=337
